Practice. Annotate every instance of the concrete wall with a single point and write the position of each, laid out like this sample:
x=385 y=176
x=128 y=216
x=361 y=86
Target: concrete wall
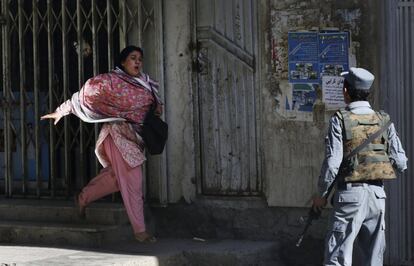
x=292 y=141
x=179 y=99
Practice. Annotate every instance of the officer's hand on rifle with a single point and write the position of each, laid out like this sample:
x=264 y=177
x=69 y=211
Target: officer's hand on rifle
x=318 y=203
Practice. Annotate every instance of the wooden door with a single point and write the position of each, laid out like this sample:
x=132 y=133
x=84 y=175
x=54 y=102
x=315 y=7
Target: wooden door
x=226 y=97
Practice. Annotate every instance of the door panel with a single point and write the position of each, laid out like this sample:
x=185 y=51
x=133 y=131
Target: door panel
x=227 y=97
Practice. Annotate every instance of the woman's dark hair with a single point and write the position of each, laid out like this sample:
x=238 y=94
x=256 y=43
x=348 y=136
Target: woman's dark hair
x=356 y=94
x=125 y=52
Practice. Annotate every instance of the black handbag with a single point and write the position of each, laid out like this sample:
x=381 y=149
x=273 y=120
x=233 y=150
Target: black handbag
x=154 y=131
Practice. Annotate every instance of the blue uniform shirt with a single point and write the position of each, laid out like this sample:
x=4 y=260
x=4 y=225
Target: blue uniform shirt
x=334 y=148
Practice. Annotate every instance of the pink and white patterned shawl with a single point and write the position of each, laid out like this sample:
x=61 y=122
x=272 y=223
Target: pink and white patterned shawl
x=121 y=102
x=116 y=95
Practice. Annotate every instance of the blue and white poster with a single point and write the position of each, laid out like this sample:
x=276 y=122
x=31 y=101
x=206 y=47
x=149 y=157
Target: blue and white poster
x=333 y=53
x=303 y=57
x=313 y=55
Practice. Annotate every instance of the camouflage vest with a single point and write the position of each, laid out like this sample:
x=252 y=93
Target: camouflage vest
x=372 y=163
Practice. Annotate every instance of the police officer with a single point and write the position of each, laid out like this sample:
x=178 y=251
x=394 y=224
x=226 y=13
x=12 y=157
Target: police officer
x=359 y=201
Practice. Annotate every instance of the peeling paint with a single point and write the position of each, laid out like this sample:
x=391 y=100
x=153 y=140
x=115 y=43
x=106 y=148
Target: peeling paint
x=351 y=19
x=303 y=15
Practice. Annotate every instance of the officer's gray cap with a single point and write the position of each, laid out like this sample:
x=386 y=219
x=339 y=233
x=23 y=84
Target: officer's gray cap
x=359 y=78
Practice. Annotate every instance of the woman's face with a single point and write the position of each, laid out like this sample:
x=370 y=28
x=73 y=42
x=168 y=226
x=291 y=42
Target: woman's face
x=133 y=63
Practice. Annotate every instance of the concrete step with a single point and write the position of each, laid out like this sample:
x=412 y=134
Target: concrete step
x=231 y=252
x=62 y=234
x=61 y=211
x=165 y=252
x=234 y=218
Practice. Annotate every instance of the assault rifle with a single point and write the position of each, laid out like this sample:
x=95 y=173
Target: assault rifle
x=313 y=215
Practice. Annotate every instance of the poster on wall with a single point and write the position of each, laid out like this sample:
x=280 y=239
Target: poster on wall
x=304 y=96
x=312 y=56
x=333 y=53
x=332 y=94
x=303 y=57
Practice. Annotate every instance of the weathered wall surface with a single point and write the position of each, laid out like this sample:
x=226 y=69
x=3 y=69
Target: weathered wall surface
x=179 y=101
x=292 y=141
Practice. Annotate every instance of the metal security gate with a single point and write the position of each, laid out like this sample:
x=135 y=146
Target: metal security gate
x=226 y=36
x=397 y=84
x=48 y=50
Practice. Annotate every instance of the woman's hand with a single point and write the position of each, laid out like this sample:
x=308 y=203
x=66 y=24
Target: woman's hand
x=56 y=116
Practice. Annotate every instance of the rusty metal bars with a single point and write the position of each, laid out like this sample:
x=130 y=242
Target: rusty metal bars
x=7 y=111
x=22 y=59
x=79 y=30
x=123 y=41
x=36 y=74
x=134 y=34
x=65 y=70
x=6 y=100
x=51 y=102
x=109 y=29
x=94 y=39
x=37 y=38
x=95 y=53
x=139 y=22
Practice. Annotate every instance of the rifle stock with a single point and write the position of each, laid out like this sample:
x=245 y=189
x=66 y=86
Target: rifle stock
x=312 y=215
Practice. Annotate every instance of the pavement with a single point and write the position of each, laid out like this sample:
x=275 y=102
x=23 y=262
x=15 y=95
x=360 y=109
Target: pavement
x=195 y=251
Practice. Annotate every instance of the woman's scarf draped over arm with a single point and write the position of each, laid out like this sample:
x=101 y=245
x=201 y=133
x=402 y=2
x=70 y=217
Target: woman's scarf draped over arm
x=86 y=112
x=86 y=115
x=112 y=97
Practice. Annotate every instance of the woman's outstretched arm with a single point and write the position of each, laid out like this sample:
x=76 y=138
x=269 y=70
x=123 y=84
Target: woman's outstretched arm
x=64 y=109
